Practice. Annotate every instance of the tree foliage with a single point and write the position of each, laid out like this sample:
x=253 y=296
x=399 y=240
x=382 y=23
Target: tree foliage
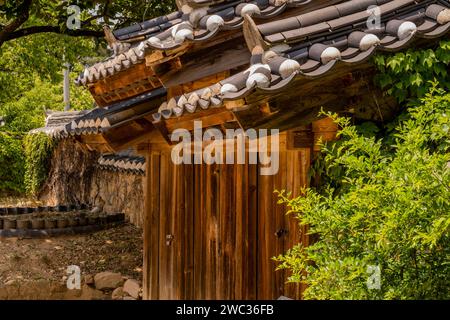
x=38 y=151
x=31 y=82
x=12 y=164
x=388 y=206
x=35 y=45
x=27 y=17
x=407 y=75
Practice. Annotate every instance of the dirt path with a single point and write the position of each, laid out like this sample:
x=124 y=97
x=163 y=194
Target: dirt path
x=31 y=260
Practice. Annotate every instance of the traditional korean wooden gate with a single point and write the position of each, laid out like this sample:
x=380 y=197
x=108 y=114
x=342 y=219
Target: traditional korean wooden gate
x=211 y=230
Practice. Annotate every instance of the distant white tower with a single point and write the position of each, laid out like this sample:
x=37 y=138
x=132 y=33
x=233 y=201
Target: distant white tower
x=67 y=86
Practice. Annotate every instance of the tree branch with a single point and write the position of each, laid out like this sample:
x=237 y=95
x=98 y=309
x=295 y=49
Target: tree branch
x=53 y=29
x=22 y=17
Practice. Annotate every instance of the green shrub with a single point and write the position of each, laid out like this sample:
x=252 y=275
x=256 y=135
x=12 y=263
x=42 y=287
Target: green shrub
x=11 y=163
x=385 y=203
x=407 y=75
x=38 y=151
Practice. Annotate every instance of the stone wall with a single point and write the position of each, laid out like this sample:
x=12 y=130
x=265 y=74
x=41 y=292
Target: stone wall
x=74 y=178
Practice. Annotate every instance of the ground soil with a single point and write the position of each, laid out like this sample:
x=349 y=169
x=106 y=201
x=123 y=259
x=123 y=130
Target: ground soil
x=28 y=261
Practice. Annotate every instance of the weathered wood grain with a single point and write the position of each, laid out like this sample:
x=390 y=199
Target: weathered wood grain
x=212 y=230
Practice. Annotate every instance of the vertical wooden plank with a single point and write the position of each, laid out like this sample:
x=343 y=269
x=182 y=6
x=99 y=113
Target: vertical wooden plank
x=166 y=284
x=240 y=183
x=226 y=235
x=147 y=231
x=306 y=157
x=221 y=287
x=251 y=244
x=299 y=163
x=178 y=227
x=245 y=262
x=200 y=232
x=151 y=227
x=271 y=229
x=266 y=239
x=189 y=206
x=279 y=217
x=174 y=248
x=212 y=230
x=294 y=185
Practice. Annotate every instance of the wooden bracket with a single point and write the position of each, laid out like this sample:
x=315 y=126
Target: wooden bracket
x=265 y=109
x=252 y=36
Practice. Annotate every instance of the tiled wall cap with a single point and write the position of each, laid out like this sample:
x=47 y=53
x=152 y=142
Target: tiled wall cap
x=281 y=65
x=155 y=41
x=362 y=40
x=206 y=94
x=193 y=99
x=278 y=3
x=196 y=15
x=182 y=101
x=330 y=54
x=247 y=8
x=183 y=31
x=260 y=76
x=228 y=87
x=324 y=53
x=212 y=23
x=401 y=29
x=434 y=10
x=255 y=67
x=234 y=83
x=444 y=16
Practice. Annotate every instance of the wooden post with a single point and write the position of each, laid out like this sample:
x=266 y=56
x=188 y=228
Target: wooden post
x=147 y=213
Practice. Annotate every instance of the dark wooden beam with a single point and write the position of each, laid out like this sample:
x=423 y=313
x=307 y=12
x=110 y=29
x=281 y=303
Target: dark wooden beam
x=202 y=64
x=300 y=102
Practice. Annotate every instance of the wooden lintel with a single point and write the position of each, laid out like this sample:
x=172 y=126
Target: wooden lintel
x=93 y=139
x=154 y=57
x=97 y=142
x=158 y=57
x=122 y=145
x=235 y=105
x=208 y=118
x=141 y=124
x=129 y=134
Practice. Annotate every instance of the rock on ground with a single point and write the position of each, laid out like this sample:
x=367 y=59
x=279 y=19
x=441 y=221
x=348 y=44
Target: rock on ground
x=117 y=294
x=89 y=279
x=132 y=288
x=48 y=290
x=108 y=280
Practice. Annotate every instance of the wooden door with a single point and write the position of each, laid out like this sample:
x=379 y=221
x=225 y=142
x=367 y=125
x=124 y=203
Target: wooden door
x=211 y=230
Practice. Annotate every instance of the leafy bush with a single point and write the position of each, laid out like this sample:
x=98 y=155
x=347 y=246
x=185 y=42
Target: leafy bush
x=38 y=151
x=32 y=82
x=11 y=163
x=408 y=75
x=383 y=205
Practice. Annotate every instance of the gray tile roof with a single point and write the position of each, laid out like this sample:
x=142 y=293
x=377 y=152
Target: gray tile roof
x=306 y=48
x=171 y=31
x=101 y=119
x=56 y=121
x=124 y=163
x=312 y=52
